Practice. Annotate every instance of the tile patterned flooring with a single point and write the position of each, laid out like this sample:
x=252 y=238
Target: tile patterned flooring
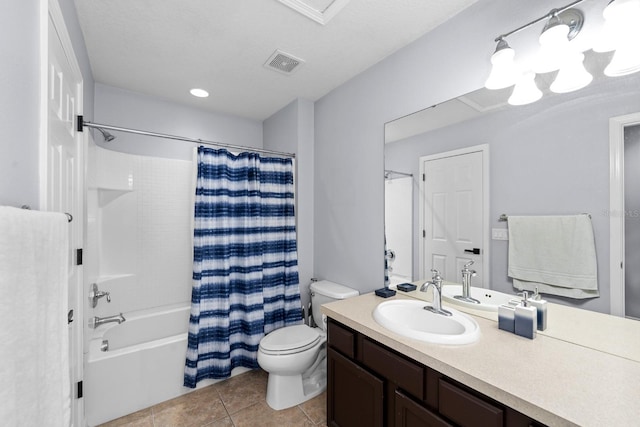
x=236 y=402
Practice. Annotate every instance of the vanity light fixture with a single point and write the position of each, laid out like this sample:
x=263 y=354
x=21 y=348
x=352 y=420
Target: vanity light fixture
x=621 y=33
x=199 y=93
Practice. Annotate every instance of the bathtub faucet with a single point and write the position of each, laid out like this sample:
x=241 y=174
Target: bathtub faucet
x=96 y=321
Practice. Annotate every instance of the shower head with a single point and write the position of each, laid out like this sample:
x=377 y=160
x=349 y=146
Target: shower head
x=106 y=135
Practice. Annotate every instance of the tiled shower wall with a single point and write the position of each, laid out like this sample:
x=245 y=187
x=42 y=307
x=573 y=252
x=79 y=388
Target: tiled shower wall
x=142 y=224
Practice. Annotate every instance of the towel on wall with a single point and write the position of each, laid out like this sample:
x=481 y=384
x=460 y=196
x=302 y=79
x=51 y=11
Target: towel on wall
x=556 y=254
x=34 y=372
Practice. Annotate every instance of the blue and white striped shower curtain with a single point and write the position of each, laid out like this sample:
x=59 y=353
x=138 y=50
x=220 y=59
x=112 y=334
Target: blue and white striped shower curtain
x=245 y=268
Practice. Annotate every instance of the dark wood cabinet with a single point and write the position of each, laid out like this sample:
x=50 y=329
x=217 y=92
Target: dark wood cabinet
x=411 y=414
x=357 y=396
x=372 y=385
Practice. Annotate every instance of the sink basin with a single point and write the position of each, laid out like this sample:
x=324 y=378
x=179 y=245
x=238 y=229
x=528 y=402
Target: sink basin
x=489 y=300
x=409 y=319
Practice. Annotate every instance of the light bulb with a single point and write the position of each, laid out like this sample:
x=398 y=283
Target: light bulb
x=200 y=93
x=622 y=16
x=572 y=75
x=554 y=46
x=526 y=91
x=504 y=71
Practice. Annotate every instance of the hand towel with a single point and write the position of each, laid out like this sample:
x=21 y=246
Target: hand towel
x=34 y=355
x=556 y=254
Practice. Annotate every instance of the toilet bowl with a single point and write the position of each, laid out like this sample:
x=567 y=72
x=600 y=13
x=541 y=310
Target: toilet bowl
x=295 y=356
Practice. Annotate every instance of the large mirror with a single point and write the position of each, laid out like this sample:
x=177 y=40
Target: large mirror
x=551 y=157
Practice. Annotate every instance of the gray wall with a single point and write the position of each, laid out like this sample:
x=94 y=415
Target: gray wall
x=547 y=158
x=123 y=108
x=20 y=107
x=20 y=88
x=291 y=130
x=349 y=157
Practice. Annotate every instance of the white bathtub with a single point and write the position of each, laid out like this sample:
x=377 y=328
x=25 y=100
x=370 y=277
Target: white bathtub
x=144 y=365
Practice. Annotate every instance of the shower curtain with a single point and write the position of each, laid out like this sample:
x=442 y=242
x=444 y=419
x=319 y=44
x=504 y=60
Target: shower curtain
x=245 y=268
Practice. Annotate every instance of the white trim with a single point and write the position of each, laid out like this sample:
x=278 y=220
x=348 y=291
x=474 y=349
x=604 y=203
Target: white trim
x=320 y=16
x=44 y=106
x=616 y=210
x=51 y=9
x=484 y=149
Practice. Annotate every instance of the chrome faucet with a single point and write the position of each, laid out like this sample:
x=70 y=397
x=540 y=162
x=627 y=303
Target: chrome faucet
x=467 y=274
x=436 y=282
x=96 y=321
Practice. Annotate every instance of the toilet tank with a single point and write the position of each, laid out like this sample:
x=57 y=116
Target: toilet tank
x=323 y=292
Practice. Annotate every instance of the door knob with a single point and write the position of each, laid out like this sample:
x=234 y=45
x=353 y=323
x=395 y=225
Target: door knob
x=475 y=251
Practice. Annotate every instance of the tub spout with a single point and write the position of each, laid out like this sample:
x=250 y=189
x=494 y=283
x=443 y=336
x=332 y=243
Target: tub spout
x=96 y=321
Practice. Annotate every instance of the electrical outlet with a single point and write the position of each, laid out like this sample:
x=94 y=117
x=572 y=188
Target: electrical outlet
x=499 y=234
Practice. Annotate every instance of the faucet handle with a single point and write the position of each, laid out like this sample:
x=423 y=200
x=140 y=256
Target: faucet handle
x=96 y=294
x=435 y=275
x=469 y=264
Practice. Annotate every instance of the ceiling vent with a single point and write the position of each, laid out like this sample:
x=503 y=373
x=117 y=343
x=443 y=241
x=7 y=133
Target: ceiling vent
x=283 y=62
x=320 y=11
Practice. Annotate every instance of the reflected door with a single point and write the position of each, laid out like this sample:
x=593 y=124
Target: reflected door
x=452 y=210
x=398 y=220
x=632 y=221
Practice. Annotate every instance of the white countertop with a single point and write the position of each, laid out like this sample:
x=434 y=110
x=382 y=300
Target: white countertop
x=552 y=380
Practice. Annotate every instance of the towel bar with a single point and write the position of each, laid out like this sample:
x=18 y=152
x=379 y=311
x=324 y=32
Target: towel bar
x=504 y=217
x=69 y=216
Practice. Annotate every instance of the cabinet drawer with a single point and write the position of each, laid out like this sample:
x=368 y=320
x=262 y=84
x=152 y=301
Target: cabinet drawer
x=406 y=374
x=411 y=414
x=465 y=409
x=342 y=339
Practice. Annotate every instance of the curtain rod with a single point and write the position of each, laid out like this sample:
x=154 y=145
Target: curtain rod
x=82 y=123
x=388 y=172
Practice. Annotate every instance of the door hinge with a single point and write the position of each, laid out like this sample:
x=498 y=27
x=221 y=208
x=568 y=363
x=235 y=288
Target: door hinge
x=70 y=316
x=79 y=392
x=79 y=256
x=80 y=124
x=424 y=177
x=424 y=233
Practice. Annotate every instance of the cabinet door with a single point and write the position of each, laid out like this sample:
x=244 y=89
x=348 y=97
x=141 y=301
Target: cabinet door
x=410 y=414
x=355 y=397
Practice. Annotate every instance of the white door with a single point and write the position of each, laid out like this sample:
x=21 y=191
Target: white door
x=63 y=185
x=453 y=214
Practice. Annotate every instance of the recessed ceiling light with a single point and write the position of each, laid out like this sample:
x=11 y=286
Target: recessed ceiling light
x=200 y=93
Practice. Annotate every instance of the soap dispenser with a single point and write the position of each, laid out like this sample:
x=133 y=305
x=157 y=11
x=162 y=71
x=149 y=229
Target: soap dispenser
x=541 y=309
x=526 y=318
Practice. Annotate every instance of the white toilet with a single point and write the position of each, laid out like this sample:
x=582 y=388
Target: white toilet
x=295 y=356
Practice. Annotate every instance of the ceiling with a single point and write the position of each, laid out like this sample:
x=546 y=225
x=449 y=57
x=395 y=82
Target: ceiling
x=166 y=47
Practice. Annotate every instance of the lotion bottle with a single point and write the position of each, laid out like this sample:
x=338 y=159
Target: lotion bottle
x=541 y=309
x=526 y=318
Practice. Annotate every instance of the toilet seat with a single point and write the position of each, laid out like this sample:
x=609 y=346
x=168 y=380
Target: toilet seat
x=290 y=340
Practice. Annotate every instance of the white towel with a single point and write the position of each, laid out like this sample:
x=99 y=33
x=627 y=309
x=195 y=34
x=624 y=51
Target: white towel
x=34 y=354
x=556 y=254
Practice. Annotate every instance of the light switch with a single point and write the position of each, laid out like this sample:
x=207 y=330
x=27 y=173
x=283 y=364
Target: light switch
x=499 y=234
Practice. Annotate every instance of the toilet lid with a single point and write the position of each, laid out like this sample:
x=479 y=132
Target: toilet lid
x=290 y=339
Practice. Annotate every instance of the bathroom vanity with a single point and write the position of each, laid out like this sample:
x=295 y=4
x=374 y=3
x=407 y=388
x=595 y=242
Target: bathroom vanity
x=379 y=378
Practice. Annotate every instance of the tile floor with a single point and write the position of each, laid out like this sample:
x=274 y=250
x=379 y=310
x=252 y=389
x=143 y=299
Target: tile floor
x=236 y=402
